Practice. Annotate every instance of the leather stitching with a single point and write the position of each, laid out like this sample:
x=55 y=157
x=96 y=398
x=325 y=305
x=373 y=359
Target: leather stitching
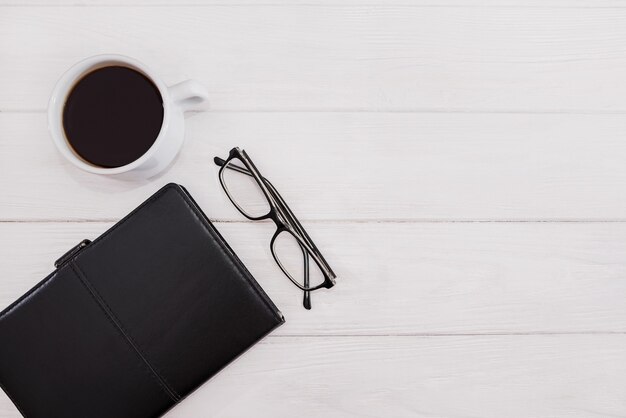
x=118 y=325
x=107 y=310
x=230 y=258
x=227 y=252
x=154 y=197
x=31 y=293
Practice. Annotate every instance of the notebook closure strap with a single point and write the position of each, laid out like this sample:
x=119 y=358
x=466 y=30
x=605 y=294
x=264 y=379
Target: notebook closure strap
x=71 y=253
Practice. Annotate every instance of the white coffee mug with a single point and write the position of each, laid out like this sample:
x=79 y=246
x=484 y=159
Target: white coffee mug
x=177 y=99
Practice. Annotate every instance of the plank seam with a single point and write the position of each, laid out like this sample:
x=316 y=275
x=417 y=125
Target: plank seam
x=460 y=334
x=321 y=4
x=345 y=221
x=409 y=111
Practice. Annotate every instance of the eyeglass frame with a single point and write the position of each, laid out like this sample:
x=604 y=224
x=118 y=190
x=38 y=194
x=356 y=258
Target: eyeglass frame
x=283 y=217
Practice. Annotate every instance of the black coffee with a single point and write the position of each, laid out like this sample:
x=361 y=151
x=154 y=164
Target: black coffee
x=112 y=116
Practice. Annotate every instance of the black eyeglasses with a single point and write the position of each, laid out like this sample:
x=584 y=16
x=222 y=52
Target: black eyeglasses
x=257 y=199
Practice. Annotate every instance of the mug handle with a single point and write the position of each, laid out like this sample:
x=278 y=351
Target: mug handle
x=190 y=95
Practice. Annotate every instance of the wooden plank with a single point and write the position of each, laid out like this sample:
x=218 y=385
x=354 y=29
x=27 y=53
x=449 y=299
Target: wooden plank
x=405 y=278
x=355 y=166
x=245 y=3
x=318 y=57
x=490 y=377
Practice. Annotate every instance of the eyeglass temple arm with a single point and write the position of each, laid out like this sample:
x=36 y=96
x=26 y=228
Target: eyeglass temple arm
x=307 y=295
x=220 y=162
x=294 y=221
x=306 y=300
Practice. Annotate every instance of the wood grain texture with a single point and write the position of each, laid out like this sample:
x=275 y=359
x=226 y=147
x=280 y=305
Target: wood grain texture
x=322 y=57
x=269 y=3
x=353 y=166
x=460 y=163
x=406 y=279
x=487 y=377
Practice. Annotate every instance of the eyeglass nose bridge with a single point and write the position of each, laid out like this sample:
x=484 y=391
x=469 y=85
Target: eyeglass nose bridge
x=284 y=220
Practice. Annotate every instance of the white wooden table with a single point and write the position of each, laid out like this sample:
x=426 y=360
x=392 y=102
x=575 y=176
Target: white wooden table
x=462 y=164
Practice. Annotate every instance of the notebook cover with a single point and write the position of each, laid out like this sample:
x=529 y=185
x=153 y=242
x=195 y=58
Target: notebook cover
x=135 y=321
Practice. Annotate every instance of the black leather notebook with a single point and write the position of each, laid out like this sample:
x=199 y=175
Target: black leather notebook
x=131 y=323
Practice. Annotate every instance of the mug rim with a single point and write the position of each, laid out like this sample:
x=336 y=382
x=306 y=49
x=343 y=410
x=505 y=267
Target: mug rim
x=64 y=86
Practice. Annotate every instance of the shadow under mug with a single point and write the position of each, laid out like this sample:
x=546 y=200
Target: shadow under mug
x=177 y=99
